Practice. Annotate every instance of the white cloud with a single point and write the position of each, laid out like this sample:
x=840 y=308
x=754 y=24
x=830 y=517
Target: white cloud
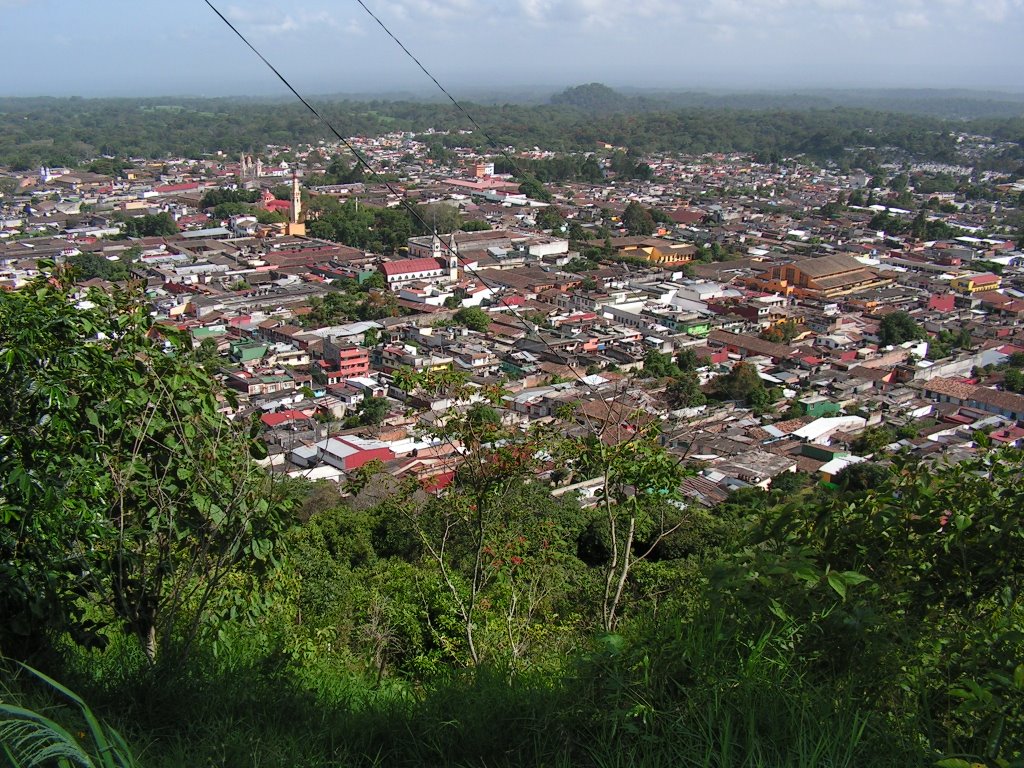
x=435 y=9
x=910 y=20
x=355 y=28
x=736 y=14
x=267 y=20
x=723 y=33
x=997 y=10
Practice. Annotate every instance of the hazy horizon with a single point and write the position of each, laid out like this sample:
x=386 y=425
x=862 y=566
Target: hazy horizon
x=121 y=48
x=525 y=93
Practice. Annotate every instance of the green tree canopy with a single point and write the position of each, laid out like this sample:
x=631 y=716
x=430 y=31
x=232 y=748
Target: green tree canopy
x=686 y=392
x=741 y=383
x=899 y=327
x=150 y=225
x=659 y=365
x=474 y=318
x=550 y=218
x=782 y=333
x=373 y=410
x=214 y=197
x=638 y=219
x=535 y=190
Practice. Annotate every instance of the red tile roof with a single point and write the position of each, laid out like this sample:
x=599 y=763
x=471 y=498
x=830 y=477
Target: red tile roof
x=985 y=278
x=408 y=266
x=282 y=417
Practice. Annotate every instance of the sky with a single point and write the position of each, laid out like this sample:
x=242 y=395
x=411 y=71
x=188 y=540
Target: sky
x=180 y=47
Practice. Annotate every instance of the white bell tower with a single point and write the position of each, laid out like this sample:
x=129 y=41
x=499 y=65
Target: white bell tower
x=453 y=258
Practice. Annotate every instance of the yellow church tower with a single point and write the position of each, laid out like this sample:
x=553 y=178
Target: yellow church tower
x=296 y=226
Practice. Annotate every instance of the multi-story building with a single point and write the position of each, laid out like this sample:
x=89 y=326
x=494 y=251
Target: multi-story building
x=976 y=283
x=341 y=361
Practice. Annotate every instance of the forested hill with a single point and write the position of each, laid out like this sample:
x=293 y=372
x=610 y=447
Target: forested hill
x=47 y=131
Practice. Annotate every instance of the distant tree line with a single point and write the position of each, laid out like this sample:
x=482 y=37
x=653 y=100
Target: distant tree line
x=38 y=131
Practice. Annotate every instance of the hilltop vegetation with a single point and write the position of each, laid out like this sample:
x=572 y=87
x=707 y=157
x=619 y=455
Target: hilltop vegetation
x=219 y=616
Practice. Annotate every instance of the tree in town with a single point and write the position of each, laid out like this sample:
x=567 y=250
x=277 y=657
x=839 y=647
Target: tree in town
x=550 y=218
x=150 y=225
x=373 y=410
x=741 y=383
x=371 y=338
x=1013 y=379
x=687 y=360
x=377 y=305
x=92 y=265
x=214 y=197
x=898 y=327
x=441 y=218
x=638 y=220
x=534 y=190
x=207 y=354
x=872 y=440
x=685 y=391
x=781 y=333
x=474 y=318
x=659 y=365
x=8 y=186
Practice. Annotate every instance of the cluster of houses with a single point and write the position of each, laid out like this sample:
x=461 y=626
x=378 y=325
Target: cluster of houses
x=757 y=274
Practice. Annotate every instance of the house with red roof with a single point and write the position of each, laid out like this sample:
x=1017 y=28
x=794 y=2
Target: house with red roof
x=287 y=418
x=942 y=302
x=190 y=186
x=1012 y=435
x=972 y=284
x=347 y=452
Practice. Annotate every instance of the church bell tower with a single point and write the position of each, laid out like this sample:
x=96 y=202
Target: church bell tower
x=296 y=226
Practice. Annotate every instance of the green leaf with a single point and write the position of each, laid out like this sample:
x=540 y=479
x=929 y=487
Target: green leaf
x=835 y=580
x=853 y=578
x=953 y=762
x=776 y=608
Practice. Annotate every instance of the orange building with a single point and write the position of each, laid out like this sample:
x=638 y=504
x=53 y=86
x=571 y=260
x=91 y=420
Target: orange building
x=827 y=276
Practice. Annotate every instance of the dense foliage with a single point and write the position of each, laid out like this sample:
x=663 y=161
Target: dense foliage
x=380 y=230
x=128 y=499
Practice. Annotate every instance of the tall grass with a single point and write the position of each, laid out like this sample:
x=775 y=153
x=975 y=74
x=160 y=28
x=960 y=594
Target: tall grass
x=29 y=738
x=674 y=694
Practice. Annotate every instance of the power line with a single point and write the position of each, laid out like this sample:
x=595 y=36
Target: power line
x=445 y=91
x=416 y=215
x=365 y=163
x=493 y=142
